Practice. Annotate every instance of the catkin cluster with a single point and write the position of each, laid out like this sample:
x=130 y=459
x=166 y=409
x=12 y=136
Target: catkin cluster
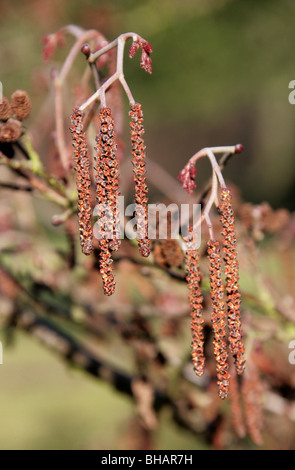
x=11 y=114
x=225 y=297
x=231 y=269
x=107 y=188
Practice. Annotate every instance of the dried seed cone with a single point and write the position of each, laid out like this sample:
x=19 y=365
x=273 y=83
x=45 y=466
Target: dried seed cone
x=10 y=131
x=5 y=109
x=107 y=179
x=83 y=180
x=139 y=171
x=195 y=299
x=20 y=104
x=218 y=318
x=229 y=242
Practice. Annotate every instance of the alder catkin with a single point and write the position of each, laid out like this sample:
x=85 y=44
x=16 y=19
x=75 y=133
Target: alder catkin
x=106 y=268
x=195 y=299
x=252 y=392
x=107 y=178
x=139 y=171
x=107 y=194
x=237 y=418
x=83 y=180
x=218 y=318
x=229 y=243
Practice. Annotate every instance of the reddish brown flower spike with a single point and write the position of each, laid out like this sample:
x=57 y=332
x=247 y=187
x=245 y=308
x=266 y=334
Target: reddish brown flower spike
x=51 y=41
x=133 y=49
x=107 y=192
x=146 y=47
x=237 y=417
x=83 y=180
x=187 y=177
x=139 y=172
x=106 y=268
x=218 y=318
x=252 y=392
x=196 y=299
x=232 y=280
x=107 y=178
x=146 y=62
x=146 y=50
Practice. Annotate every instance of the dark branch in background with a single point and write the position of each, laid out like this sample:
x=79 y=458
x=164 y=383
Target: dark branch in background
x=73 y=353
x=15 y=187
x=57 y=340
x=22 y=149
x=97 y=324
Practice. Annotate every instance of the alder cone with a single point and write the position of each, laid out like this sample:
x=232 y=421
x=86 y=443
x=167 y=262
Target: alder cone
x=5 y=109
x=20 y=104
x=10 y=131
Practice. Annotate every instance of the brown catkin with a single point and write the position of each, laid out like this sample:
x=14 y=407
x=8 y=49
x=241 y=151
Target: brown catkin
x=139 y=171
x=237 y=418
x=107 y=178
x=83 y=181
x=229 y=242
x=10 y=131
x=106 y=268
x=20 y=104
x=218 y=317
x=252 y=393
x=107 y=193
x=5 y=109
x=195 y=299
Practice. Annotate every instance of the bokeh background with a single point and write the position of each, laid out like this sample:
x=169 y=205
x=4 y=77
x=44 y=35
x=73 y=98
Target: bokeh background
x=221 y=70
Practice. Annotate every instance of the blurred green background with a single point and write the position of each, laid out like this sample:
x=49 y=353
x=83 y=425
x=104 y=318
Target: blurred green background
x=221 y=70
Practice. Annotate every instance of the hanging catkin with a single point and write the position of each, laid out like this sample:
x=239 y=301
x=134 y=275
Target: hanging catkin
x=83 y=180
x=139 y=171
